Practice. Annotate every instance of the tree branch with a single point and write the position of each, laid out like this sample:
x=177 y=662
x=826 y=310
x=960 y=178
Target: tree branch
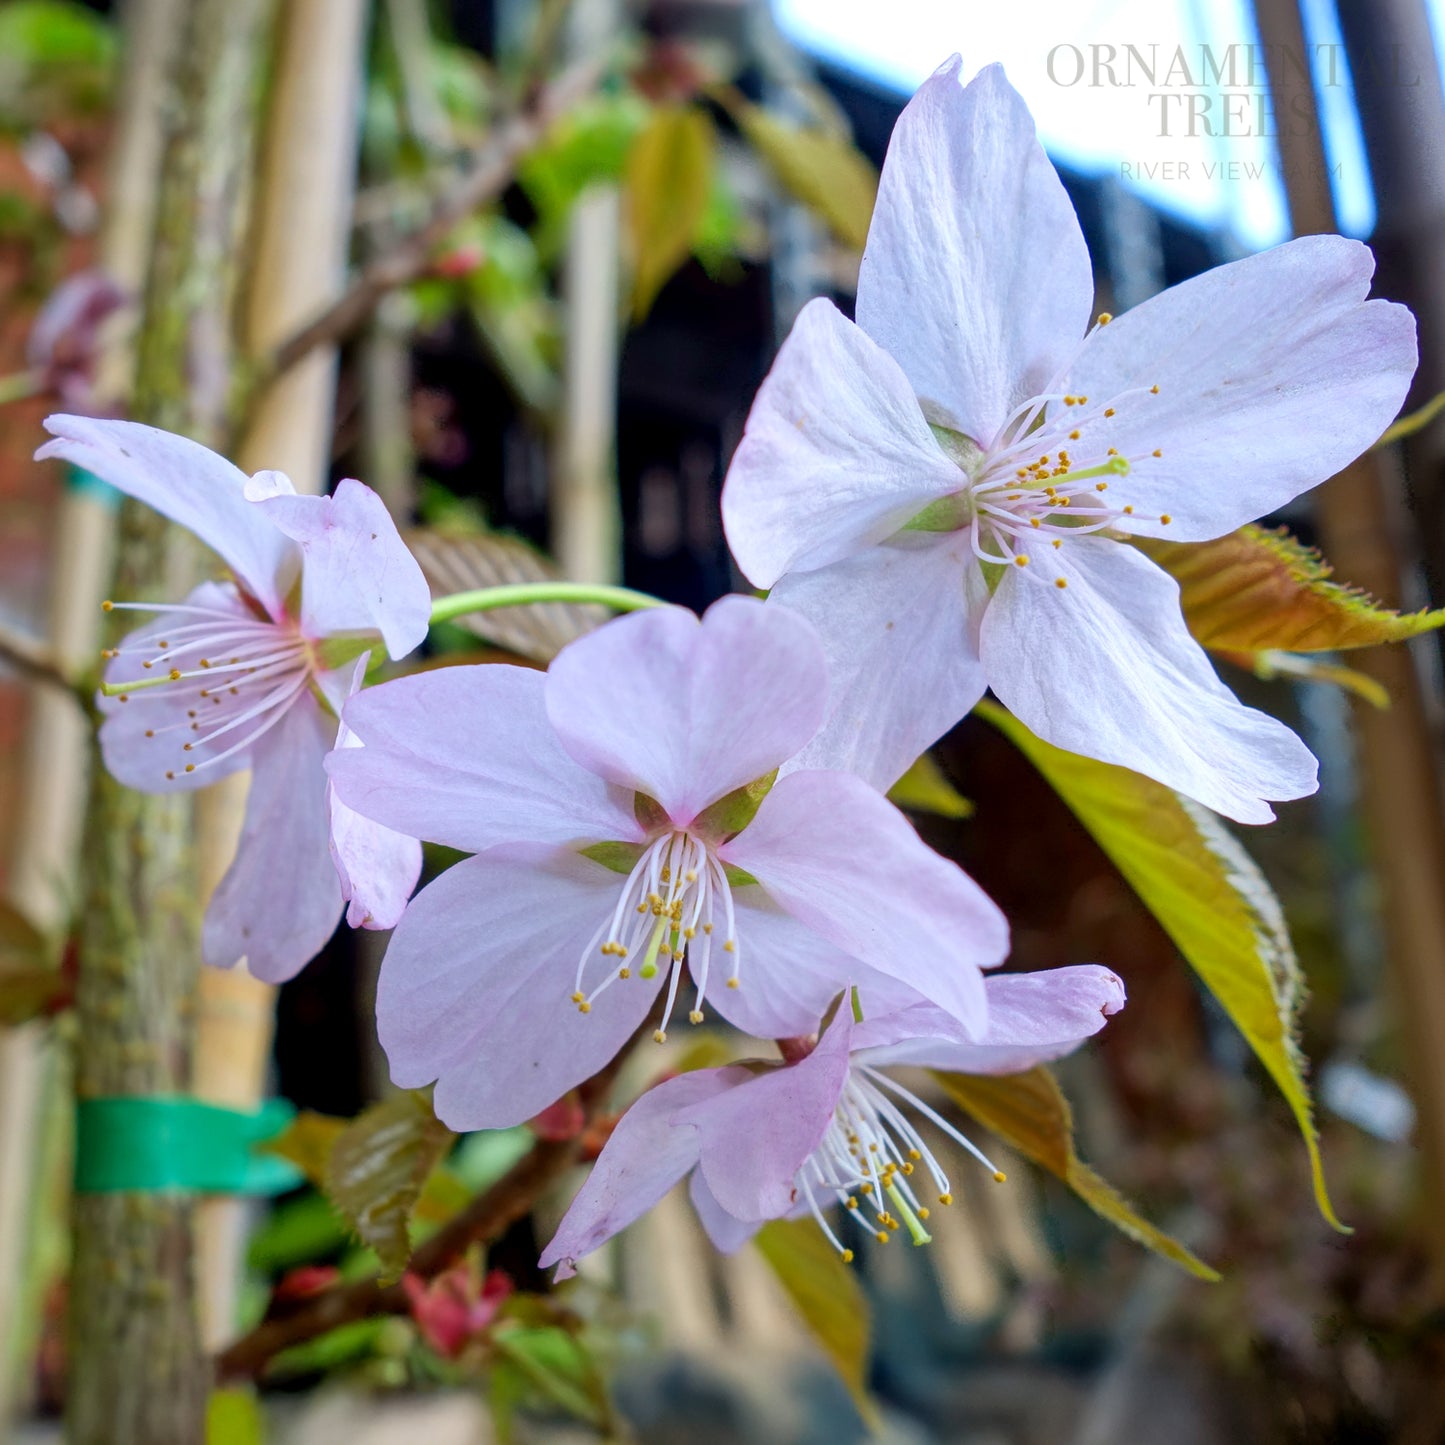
x=490 y=172
x=484 y=1220
x=32 y=660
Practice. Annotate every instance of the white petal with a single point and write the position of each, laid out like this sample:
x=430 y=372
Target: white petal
x=1273 y=373
x=902 y=662
x=975 y=277
x=1107 y=668
x=836 y=455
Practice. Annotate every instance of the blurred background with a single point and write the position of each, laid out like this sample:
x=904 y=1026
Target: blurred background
x=554 y=375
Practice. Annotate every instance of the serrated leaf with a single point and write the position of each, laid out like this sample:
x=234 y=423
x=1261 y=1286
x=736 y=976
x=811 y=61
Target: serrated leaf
x=1207 y=895
x=466 y=561
x=1255 y=590
x=669 y=179
x=926 y=789
x=233 y=1417
x=821 y=168
x=307 y=1143
x=1030 y=1113
x=377 y=1170
x=828 y=1298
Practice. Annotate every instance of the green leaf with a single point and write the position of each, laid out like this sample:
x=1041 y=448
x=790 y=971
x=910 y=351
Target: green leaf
x=821 y=168
x=555 y=1366
x=1208 y=896
x=669 y=179
x=1256 y=590
x=1029 y=1112
x=828 y=1297
x=925 y=789
x=377 y=1169
x=233 y=1417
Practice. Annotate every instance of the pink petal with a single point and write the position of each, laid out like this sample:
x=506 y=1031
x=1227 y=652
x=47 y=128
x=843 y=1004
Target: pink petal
x=476 y=985
x=975 y=277
x=465 y=756
x=728 y=1235
x=358 y=574
x=836 y=455
x=646 y=1155
x=755 y=1138
x=1273 y=373
x=191 y=485
x=902 y=659
x=1107 y=668
x=378 y=867
x=844 y=861
x=1032 y=1018
x=165 y=713
x=791 y=975
x=280 y=901
x=687 y=710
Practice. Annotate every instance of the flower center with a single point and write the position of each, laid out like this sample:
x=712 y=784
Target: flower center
x=250 y=672
x=667 y=916
x=870 y=1157
x=1049 y=476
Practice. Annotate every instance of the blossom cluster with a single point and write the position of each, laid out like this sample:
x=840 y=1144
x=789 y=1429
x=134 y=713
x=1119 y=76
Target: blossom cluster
x=687 y=815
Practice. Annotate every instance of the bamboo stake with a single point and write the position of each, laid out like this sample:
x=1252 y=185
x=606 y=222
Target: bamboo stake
x=1359 y=512
x=57 y=736
x=300 y=246
x=138 y=1375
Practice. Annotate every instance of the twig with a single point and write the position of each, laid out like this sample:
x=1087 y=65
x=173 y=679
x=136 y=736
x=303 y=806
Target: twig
x=485 y=1219
x=31 y=659
x=488 y=175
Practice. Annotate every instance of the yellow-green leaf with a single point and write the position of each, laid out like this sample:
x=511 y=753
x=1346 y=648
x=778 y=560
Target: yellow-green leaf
x=1030 y=1113
x=377 y=1169
x=1414 y=421
x=1271 y=664
x=926 y=789
x=827 y=1296
x=1256 y=590
x=821 y=168
x=307 y=1142
x=669 y=176
x=1208 y=896
x=233 y=1417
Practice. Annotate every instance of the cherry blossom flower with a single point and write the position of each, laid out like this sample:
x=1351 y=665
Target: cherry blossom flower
x=253 y=673
x=620 y=812
x=768 y=1141
x=946 y=488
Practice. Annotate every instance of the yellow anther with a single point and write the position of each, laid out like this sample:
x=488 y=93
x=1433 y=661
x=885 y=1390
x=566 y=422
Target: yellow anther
x=945 y=1199
x=914 y=1154
x=1083 y=400
x=205 y=662
x=1129 y=511
x=1112 y=452
x=659 y=1036
x=175 y=674
x=148 y=663
x=1068 y=401
x=695 y=1017
x=999 y=1177
x=190 y=767
x=852 y=1201
x=1157 y=452
x=730 y=946
x=624 y=973
x=923 y=1211
x=125 y=697
x=1105 y=317
x=584 y=1007
x=186 y=747
x=1165 y=518
x=1073 y=436
x=1021 y=560
x=107 y=606
x=907 y=1170
x=865 y=1188
x=579 y=998
x=1058 y=542
x=1034 y=522
x=150 y=732
x=1155 y=389
x=1101 y=486
x=847 y=1256
x=707 y=928
x=1108 y=411
x=881 y=1236
x=735 y=983
x=170 y=777
x=1060 y=582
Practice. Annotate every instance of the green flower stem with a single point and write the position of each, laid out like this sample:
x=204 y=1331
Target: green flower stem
x=488 y=599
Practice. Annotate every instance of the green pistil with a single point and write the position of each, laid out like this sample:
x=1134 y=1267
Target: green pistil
x=911 y=1222
x=1114 y=467
x=654 y=946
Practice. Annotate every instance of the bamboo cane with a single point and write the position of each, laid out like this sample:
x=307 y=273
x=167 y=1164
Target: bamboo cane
x=300 y=247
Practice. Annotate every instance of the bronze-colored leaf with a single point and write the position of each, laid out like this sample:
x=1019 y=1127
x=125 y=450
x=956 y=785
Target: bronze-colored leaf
x=669 y=177
x=469 y=561
x=1029 y=1112
x=377 y=1169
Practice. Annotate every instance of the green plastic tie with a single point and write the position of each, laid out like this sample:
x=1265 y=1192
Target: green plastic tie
x=171 y=1144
